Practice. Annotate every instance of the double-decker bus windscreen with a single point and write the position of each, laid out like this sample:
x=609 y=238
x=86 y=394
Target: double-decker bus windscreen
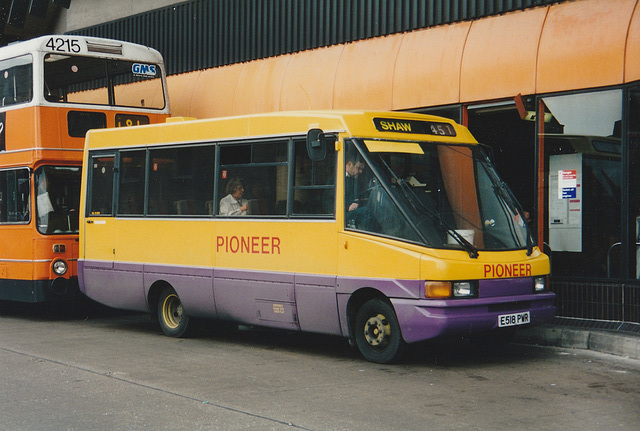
x=57 y=199
x=102 y=81
x=442 y=196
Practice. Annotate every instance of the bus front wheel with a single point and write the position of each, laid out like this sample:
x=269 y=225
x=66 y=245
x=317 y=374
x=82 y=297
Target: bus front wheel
x=377 y=332
x=173 y=321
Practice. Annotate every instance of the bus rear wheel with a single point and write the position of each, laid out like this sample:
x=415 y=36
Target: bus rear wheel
x=377 y=332
x=171 y=316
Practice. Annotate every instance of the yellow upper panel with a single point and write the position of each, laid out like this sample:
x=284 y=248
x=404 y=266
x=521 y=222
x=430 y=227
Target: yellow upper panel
x=352 y=123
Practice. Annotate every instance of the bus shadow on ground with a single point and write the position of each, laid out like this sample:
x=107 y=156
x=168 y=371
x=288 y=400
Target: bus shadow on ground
x=80 y=308
x=458 y=351
x=454 y=351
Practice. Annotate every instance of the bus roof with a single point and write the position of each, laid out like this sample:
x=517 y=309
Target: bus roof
x=82 y=45
x=366 y=124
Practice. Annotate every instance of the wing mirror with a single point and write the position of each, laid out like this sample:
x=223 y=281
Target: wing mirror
x=317 y=142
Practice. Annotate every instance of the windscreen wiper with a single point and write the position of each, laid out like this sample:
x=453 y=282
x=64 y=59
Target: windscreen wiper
x=413 y=200
x=503 y=190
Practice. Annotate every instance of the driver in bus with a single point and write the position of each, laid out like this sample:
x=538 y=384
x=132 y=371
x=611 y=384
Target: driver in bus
x=233 y=204
x=354 y=167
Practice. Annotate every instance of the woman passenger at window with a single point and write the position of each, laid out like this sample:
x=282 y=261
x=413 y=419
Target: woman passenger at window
x=233 y=204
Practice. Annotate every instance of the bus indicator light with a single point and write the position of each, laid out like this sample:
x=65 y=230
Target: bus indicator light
x=437 y=289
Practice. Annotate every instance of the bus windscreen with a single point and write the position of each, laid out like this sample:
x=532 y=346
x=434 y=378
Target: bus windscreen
x=101 y=81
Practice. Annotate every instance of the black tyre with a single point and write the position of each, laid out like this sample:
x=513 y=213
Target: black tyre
x=173 y=321
x=377 y=332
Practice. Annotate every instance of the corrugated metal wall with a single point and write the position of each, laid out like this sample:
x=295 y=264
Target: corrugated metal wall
x=199 y=34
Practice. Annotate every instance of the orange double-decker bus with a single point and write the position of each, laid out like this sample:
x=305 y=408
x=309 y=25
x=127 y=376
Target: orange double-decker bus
x=53 y=89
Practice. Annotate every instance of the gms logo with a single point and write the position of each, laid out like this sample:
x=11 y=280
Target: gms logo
x=140 y=69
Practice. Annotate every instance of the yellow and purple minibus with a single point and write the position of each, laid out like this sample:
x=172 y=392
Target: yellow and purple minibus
x=385 y=228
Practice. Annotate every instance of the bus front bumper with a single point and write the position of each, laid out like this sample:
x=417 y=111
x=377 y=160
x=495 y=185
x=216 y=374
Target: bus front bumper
x=425 y=319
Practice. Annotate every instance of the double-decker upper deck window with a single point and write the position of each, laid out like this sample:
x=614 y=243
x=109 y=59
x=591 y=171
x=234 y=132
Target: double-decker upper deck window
x=16 y=80
x=100 y=81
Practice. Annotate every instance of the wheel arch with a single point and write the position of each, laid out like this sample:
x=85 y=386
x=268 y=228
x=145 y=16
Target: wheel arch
x=357 y=299
x=154 y=294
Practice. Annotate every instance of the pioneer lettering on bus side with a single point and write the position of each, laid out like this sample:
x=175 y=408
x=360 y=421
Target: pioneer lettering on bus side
x=418 y=127
x=502 y=270
x=248 y=244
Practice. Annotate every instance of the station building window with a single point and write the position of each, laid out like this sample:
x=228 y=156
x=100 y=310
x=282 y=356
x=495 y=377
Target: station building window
x=633 y=131
x=582 y=147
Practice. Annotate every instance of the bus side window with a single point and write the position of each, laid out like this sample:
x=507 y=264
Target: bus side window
x=101 y=189
x=263 y=170
x=181 y=181
x=131 y=184
x=314 y=182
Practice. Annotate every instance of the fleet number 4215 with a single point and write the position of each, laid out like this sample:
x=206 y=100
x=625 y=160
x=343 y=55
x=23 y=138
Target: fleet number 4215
x=62 y=44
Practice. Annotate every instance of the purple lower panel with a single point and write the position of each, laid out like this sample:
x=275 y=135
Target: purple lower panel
x=424 y=319
x=282 y=300
x=505 y=287
x=316 y=301
x=193 y=285
x=118 y=287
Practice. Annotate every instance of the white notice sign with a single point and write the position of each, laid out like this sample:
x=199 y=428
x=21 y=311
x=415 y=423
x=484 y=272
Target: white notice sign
x=567 y=183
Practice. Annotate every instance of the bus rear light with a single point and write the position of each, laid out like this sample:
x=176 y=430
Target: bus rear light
x=437 y=289
x=59 y=267
x=59 y=248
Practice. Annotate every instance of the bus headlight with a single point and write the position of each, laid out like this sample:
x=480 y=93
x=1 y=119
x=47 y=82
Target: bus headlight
x=447 y=289
x=59 y=267
x=539 y=284
x=464 y=289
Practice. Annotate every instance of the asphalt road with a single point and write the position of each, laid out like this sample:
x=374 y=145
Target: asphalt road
x=92 y=369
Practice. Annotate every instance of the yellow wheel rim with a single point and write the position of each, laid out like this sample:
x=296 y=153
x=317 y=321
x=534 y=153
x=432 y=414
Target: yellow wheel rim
x=172 y=311
x=377 y=331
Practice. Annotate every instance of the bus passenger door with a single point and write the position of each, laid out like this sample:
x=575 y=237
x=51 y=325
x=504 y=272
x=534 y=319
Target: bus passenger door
x=99 y=221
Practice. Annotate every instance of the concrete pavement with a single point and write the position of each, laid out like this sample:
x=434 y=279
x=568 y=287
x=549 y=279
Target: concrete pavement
x=560 y=333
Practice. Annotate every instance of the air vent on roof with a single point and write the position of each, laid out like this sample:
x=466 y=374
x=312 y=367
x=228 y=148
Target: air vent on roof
x=105 y=48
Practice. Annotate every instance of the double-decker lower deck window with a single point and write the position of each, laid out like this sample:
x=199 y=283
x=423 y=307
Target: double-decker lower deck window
x=14 y=195
x=57 y=199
